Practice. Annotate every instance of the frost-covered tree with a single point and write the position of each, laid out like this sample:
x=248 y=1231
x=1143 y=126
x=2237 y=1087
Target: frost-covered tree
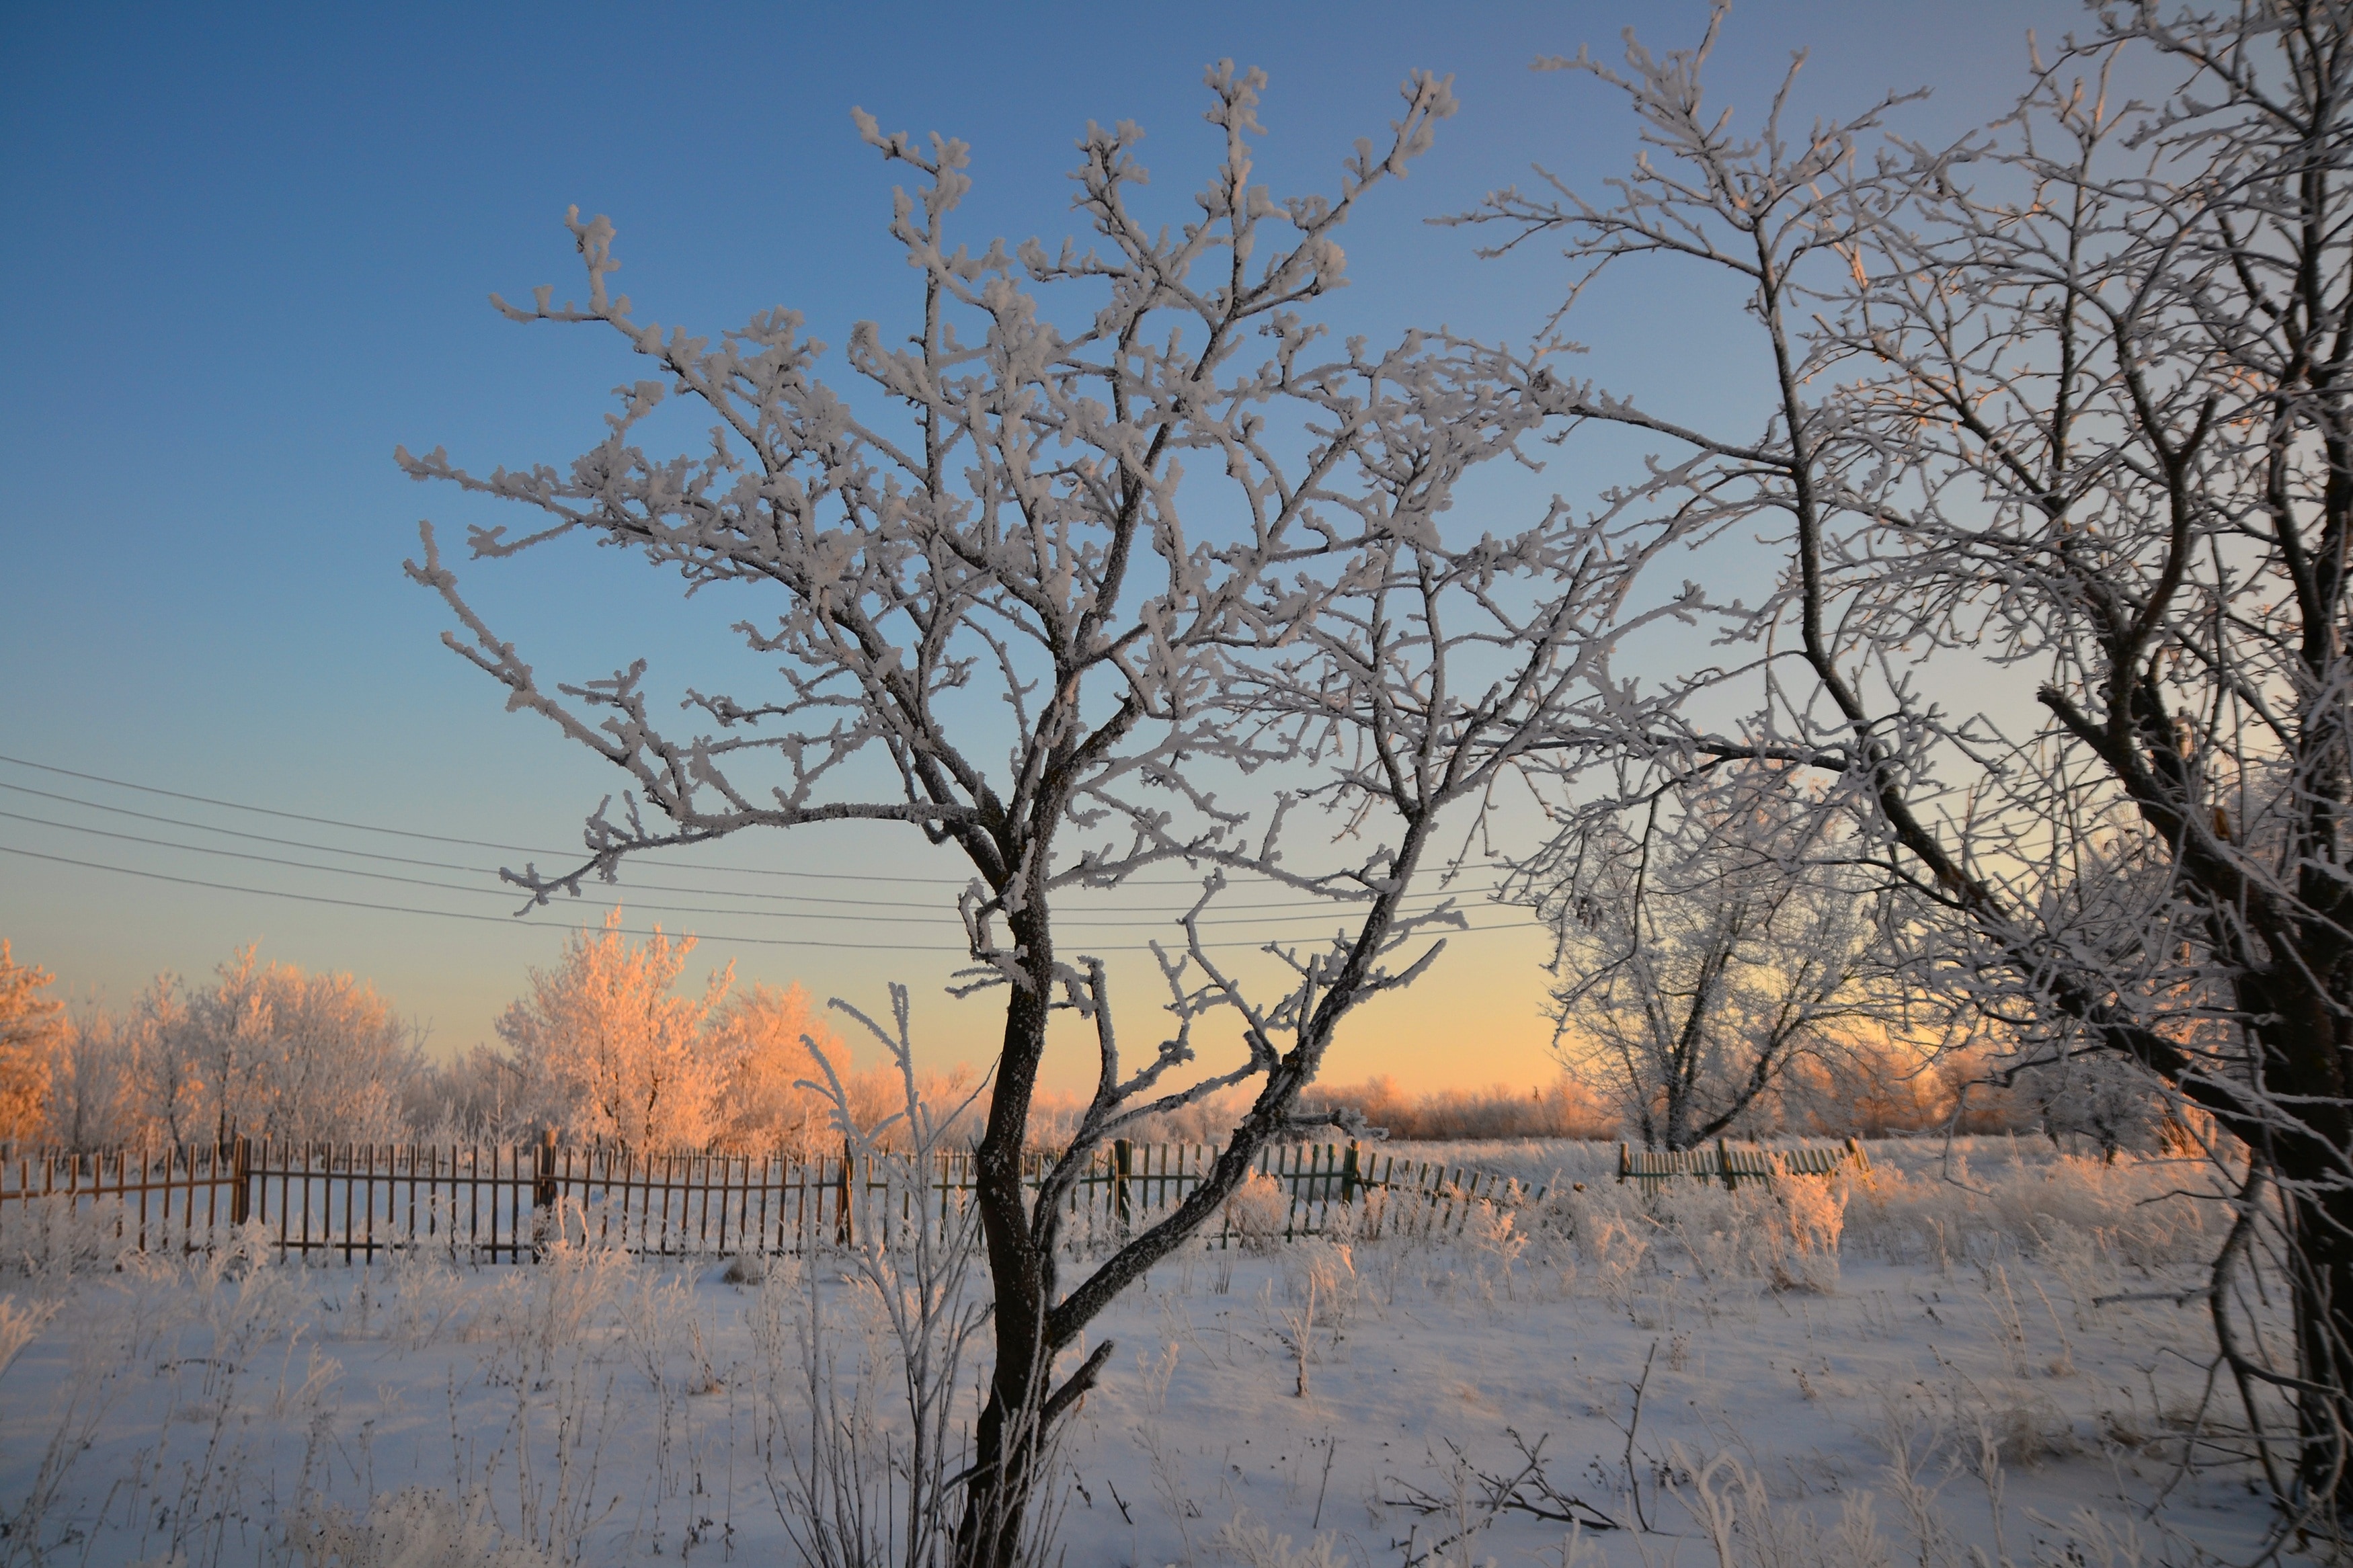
x=604 y=1049
x=2056 y=448
x=31 y=1026
x=124 y=1078
x=266 y=1051
x=270 y=1051
x=762 y=1035
x=1103 y=557
x=1709 y=963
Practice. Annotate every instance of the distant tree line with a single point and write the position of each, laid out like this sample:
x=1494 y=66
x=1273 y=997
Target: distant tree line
x=600 y=1048
x=604 y=1048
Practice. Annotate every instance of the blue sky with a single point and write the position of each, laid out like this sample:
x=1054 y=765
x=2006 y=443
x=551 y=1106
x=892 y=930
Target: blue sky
x=248 y=251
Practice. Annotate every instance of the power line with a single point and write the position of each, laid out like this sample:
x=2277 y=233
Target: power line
x=518 y=850
x=438 y=887
x=933 y=918
x=266 y=811
x=512 y=921
x=508 y=921
x=491 y=871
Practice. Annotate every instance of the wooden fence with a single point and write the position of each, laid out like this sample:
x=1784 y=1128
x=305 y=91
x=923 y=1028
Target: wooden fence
x=500 y=1204
x=1649 y=1167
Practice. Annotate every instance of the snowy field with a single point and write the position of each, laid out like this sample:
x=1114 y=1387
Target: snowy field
x=1918 y=1366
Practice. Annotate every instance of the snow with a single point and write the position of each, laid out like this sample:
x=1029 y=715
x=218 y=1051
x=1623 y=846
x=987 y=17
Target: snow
x=1925 y=1359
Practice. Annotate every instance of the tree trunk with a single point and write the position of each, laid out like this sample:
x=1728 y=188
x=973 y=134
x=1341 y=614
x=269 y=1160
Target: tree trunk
x=2310 y=1160
x=2303 y=1045
x=2321 y=1225
x=1021 y=1280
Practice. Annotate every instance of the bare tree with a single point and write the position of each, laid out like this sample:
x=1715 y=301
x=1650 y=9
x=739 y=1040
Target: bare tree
x=1116 y=538
x=1709 y=958
x=2063 y=410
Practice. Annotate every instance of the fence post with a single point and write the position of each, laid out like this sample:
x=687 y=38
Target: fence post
x=1723 y=1164
x=844 y=1231
x=1350 y=1174
x=543 y=1186
x=240 y=1200
x=1122 y=1156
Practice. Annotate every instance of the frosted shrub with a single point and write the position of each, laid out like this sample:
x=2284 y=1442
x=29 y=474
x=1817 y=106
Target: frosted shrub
x=1814 y=1208
x=537 y=1311
x=56 y=1237
x=1245 y=1540
x=1613 y=1240
x=1258 y=1213
x=1492 y=1232
x=415 y=1527
x=1801 y=1252
x=19 y=1324
x=422 y=1295
x=2154 y=1213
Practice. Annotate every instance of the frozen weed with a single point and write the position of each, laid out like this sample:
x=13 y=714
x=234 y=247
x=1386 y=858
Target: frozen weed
x=560 y=1494
x=1745 y=1529
x=1325 y=1271
x=1491 y=1232
x=655 y=1313
x=53 y=1238
x=19 y=1324
x=1258 y=1213
x=422 y=1296
x=2148 y=1213
x=538 y=1311
x=1614 y=1246
x=415 y=1527
x=1245 y=1540
x=1293 y=1326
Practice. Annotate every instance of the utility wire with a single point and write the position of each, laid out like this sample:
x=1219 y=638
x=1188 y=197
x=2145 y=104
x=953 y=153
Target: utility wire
x=517 y=849
x=933 y=917
x=493 y=871
x=512 y=921
x=507 y=921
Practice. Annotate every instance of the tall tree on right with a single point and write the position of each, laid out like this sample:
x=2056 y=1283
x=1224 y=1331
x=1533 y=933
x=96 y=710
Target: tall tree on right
x=2059 y=423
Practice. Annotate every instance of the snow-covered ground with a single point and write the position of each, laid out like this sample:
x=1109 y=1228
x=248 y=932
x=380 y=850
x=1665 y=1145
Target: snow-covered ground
x=1899 y=1369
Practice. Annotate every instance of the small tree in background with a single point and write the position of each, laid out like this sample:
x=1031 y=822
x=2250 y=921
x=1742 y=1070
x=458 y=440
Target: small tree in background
x=31 y=1028
x=266 y=1050
x=762 y=1035
x=605 y=1051
x=122 y=1079
x=1709 y=961
x=271 y=1051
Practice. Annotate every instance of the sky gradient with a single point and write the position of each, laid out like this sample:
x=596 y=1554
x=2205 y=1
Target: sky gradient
x=249 y=253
